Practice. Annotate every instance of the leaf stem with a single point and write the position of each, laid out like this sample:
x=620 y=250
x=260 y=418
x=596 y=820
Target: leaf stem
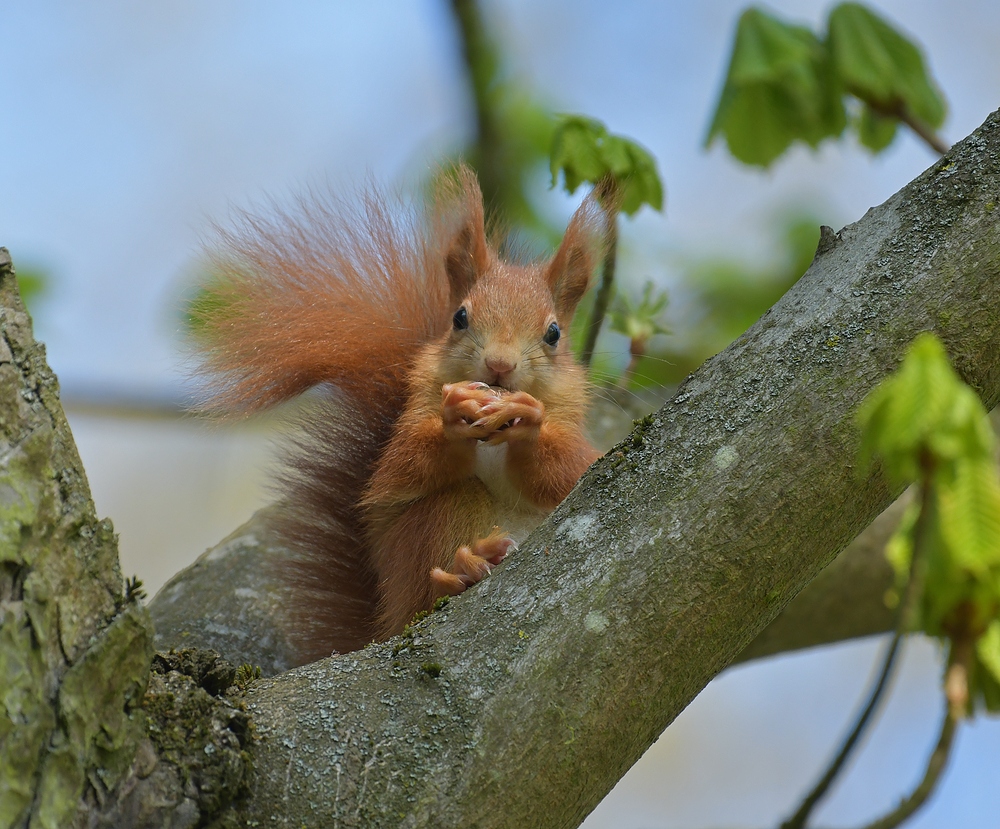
x=904 y=623
x=633 y=364
x=902 y=113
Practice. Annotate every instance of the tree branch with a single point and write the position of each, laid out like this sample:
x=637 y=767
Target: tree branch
x=230 y=600
x=481 y=67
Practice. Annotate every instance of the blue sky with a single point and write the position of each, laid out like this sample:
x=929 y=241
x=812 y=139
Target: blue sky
x=129 y=127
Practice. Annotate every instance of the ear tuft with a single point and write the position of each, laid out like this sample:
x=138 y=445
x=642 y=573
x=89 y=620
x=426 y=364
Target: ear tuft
x=460 y=210
x=572 y=267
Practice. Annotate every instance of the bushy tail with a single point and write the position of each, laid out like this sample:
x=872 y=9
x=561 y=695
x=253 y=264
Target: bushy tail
x=323 y=293
x=346 y=297
x=326 y=466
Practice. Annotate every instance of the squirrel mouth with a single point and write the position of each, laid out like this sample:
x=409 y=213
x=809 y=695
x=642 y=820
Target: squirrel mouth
x=498 y=390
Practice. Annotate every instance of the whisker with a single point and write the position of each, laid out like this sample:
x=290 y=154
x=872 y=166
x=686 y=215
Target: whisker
x=613 y=395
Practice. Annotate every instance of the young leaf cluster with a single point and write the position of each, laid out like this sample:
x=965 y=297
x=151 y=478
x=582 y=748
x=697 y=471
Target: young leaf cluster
x=926 y=425
x=786 y=84
x=640 y=321
x=584 y=150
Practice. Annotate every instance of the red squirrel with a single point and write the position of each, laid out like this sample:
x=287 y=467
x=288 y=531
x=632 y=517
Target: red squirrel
x=451 y=420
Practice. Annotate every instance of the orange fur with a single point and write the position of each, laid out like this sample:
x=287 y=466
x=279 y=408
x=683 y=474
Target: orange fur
x=401 y=462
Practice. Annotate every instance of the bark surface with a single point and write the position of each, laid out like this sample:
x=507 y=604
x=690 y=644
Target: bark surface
x=230 y=599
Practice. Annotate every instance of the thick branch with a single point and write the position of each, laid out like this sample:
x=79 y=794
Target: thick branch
x=521 y=703
x=230 y=600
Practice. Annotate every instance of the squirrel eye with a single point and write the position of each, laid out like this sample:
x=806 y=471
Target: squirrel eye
x=552 y=335
x=461 y=319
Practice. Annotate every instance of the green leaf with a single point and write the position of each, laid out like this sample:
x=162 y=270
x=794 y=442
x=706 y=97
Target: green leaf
x=32 y=283
x=969 y=508
x=208 y=300
x=875 y=131
x=575 y=151
x=899 y=551
x=615 y=154
x=584 y=150
x=780 y=88
x=641 y=184
x=961 y=538
x=880 y=66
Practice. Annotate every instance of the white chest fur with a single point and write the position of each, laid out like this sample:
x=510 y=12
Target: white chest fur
x=516 y=516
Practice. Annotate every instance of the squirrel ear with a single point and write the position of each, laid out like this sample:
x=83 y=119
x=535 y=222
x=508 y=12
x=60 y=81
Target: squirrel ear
x=582 y=247
x=467 y=255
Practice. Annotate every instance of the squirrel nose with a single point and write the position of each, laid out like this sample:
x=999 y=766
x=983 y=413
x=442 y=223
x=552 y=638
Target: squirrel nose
x=500 y=366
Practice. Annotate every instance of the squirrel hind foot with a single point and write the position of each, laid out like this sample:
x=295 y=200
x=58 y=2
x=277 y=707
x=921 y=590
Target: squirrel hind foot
x=471 y=565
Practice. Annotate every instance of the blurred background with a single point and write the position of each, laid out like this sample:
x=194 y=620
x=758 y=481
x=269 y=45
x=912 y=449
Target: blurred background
x=130 y=128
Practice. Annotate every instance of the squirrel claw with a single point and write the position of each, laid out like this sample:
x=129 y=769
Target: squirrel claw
x=471 y=565
x=464 y=410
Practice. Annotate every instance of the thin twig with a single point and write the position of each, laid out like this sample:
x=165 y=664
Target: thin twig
x=798 y=820
x=904 y=623
x=603 y=298
x=957 y=693
x=481 y=64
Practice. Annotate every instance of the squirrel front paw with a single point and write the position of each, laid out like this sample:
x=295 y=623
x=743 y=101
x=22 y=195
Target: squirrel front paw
x=476 y=411
x=471 y=565
x=461 y=410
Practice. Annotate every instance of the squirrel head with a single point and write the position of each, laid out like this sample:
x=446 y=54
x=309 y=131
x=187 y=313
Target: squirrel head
x=510 y=322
